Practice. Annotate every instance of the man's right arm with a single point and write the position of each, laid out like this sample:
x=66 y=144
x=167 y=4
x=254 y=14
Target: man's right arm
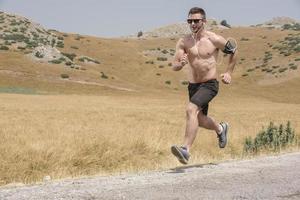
x=180 y=58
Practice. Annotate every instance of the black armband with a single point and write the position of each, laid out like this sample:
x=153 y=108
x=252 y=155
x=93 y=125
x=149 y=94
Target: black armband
x=229 y=48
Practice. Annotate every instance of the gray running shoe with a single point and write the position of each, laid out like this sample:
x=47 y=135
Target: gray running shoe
x=181 y=154
x=223 y=136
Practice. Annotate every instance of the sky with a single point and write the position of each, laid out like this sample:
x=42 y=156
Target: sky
x=114 y=18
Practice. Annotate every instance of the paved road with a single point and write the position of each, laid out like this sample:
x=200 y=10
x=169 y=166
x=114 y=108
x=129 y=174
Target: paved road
x=276 y=177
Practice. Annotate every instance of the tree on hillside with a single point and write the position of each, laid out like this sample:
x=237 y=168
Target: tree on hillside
x=140 y=34
x=224 y=23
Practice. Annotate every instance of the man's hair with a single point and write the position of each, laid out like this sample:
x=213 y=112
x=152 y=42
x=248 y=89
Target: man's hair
x=196 y=10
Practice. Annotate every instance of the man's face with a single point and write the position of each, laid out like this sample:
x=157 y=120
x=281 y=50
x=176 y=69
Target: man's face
x=196 y=22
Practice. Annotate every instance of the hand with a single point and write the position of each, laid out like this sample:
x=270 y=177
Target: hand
x=184 y=59
x=226 y=78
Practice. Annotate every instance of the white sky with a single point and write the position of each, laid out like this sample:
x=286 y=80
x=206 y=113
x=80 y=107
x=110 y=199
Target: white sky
x=112 y=18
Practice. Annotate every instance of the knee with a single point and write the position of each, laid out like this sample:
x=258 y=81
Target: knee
x=192 y=110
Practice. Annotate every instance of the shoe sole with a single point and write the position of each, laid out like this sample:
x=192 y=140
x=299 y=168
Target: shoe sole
x=226 y=127
x=177 y=153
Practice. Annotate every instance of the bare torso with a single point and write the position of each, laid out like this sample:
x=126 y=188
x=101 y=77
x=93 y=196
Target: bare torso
x=202 y=56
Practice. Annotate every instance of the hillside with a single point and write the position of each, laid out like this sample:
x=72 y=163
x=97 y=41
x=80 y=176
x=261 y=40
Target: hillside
x=49 y=61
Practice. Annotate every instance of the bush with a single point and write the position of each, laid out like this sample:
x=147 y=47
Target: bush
x=5 y=48
x=164 y=51
x=140 y=34
x=184 y=82
x=244 y=39
x=272 y=138
x=21 y=48
x=162 y=59
x=103 y=75
x=69 y=63
x=71 y=56
x=224 y=23
x=83 y=59
x=57 y=61
x=64 y=76
x=150 y=62
x=60 y=44
x=38 y=55
x=15 y=37
x=282 y=70
x=294 y=67
x=168 y=82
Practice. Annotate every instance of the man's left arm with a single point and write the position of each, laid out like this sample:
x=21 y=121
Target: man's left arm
x=227 y=47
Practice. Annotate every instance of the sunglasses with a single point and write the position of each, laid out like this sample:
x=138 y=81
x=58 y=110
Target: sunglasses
x=196 y=21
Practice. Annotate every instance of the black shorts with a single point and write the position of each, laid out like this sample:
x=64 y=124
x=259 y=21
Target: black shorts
x=202 y=93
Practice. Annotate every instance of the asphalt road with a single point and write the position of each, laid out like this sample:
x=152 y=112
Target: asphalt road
x=275 y=177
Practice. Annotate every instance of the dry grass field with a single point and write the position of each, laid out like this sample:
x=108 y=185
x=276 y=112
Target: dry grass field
x=76 y=135
x=123 y=114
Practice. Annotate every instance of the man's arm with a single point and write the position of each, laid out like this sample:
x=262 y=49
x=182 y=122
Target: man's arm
x=226 y=47
x=180 y=58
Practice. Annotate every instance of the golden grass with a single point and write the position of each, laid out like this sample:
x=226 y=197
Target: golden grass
x=71 y=135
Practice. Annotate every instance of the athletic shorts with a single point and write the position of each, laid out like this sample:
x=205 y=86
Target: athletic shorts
x=202 y=93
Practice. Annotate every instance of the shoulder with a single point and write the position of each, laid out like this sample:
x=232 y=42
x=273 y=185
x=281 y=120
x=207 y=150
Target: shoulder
x=213 y=37
x=183 y=41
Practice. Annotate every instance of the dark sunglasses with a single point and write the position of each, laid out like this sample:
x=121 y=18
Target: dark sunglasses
x=196 y=21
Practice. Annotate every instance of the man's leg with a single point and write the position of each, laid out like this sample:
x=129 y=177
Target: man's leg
x=191 y=125
x=208 y=123
x=221 y=129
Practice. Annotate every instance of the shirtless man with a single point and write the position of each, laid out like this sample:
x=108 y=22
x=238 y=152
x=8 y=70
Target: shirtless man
x=200 y=49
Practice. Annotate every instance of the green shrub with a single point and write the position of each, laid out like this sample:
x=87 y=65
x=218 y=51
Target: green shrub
x=224 y=23
x=294 y=67
x=273 y=138
x=150 y=62
x=275 y=66
x=69 y=63
x=162 y=58
x=164 y=51
x=38 y=55
x=60 y=44
x=71 y=56
x=83 y=59
x=184 y=82
x=15 y=37
x=103 y=75
x=21 y=48
x=5 y=48
x=282 y=70
x=168 y=82
x=245 y=75
x=244 y=39
x=64 y=76
x=56 y=61
x=74 y=47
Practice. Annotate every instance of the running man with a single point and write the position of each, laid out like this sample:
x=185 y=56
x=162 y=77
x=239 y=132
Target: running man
x=200 y=49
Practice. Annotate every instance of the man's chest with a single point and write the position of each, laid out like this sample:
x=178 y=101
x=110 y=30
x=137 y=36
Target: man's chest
x=202 y=48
